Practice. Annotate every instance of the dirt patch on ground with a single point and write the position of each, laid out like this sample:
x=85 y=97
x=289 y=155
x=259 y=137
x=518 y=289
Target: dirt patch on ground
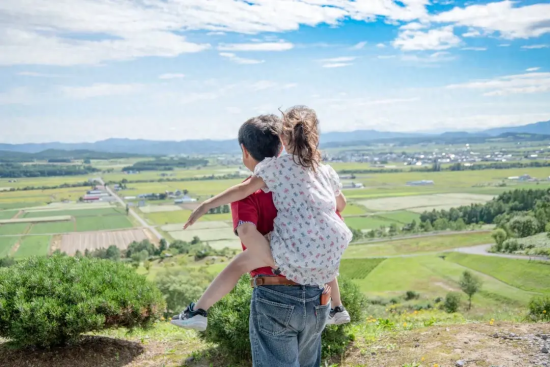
x=482 y=345
x=73 y=242
x=56 y=243
x=92 y=351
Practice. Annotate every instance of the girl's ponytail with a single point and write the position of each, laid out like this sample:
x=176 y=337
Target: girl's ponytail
x=300 y=127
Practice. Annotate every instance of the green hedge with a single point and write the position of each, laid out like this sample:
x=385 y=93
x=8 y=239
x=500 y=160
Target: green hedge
x=51 y=301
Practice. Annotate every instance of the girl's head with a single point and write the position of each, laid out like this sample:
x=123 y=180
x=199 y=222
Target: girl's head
x=300 y=135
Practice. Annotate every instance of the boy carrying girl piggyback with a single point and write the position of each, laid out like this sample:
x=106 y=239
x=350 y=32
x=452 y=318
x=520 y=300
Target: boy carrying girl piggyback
x=308 y=238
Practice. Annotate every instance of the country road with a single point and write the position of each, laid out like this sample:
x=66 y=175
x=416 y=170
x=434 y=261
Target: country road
x=483 y=250
x=420 y=235
x=132 y=212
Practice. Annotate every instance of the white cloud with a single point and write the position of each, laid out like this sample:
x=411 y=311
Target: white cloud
x=429 y=60
x=534 y=47
x=475 y=48
x=215 y=34
x=472 y=33
x=267 y=46
x=504 y=17
x=336 y=65
x=359 y=46
x=100 y=90
x=39 y=75
x=532 y=69
x=381 y=45
x=434 y=39
x=504 y=45
x=509 y=84
x=339 y=59
x=414 y=26
x=240 y=60
x=171 y=76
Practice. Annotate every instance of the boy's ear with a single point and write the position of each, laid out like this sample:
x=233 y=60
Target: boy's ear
x=245 y=152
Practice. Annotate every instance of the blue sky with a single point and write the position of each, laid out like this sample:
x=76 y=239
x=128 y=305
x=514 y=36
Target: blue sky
x=86 y=70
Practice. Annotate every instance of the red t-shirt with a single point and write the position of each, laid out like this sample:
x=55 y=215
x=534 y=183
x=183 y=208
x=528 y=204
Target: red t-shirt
x=259 y=209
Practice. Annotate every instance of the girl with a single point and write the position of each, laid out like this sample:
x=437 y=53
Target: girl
x=308 y=237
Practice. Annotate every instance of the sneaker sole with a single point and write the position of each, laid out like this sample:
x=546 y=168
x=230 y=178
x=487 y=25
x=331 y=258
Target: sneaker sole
x=199 y=325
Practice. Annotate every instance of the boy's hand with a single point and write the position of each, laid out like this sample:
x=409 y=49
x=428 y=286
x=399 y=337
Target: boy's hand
x=197 y=213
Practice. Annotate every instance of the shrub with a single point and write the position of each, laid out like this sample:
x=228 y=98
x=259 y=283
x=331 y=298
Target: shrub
x=410 y=295
x=539 y=308
x=181 y=286
x=228 y=320
x=51 y=301
x=438 y=300
x=452 y=302
x=7 y=262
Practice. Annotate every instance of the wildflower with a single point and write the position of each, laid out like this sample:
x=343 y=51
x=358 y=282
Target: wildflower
x=543 y=311
x=415 y=312
x=404 y=324
x=436 y=365
x=422 y=360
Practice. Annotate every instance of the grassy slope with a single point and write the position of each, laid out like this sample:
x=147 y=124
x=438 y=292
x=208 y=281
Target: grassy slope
x=417 y=245
x=523 y=274
x=33 y=246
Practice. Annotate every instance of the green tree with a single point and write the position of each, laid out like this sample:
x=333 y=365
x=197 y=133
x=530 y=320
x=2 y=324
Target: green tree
x=226 y=209
x=470 y=284
x=7 y=262
x=357 y=235
x=459 y=224
x=393 y=230
x=427 y=226
x=499 y=235
x=196 y=240
x=181 y=286
x=524 y=226
x=113 y=253
x=441 y=224
x=452 y=302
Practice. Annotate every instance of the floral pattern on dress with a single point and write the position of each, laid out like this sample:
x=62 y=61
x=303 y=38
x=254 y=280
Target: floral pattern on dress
x=308 y=238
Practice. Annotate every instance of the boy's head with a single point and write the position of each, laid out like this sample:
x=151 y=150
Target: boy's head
x=259 y=139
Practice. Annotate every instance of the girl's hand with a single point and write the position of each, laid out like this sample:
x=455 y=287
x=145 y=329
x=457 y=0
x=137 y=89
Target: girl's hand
x=197 y=213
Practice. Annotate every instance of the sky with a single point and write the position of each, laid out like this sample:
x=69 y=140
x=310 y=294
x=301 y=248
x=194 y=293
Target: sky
x=88 y=70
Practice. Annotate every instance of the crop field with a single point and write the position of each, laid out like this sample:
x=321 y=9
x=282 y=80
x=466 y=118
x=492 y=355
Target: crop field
x=70 y=243
x=527 y=275
x=433 y=277
x=400 y=216
x=33 y=246
x=6 y=244
x=353 y=209
x=69 y=207
x=358 y=268
x=42 y=196
x=7 y=214
x=43 y=181
x=160 y=208
x=211 y=234
x=59 y=218
x=76 y=213
x=52 y=228
x=87 y=224
x=371 y=222
x=12 y=229
x=198 y=226
x=195 y=188
x=417 y=245
x=425 y=202
x=181 y=216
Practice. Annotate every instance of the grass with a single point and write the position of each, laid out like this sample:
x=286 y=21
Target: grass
x=371 y=222
x=6 y=244
x=49 y=228
x=401 y=216
x=417 y=245
x=358 y=268
x=181 y=216
x=527 y=275
x=195 y=188
x=11 y=229
x=432 y=277
x=41 y=196
x=90 y=224
x=76 y=213
x=7 y=214
x=33 y=246
x=17 y=205
x=43 y=181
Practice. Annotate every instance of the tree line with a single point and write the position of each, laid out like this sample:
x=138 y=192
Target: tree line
x=160 y=164
x=16 y=170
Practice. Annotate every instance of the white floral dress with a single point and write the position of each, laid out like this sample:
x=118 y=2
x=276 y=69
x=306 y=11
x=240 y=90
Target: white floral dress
x=308 y=238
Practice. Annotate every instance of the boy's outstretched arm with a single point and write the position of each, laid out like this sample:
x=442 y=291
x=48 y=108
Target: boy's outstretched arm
x=230 y=195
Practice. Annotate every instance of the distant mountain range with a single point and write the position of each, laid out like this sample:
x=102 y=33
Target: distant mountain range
x=150 y=147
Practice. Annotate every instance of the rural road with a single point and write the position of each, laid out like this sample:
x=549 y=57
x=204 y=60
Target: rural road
x=483 y=250
x=132 y=212
x=420 y=235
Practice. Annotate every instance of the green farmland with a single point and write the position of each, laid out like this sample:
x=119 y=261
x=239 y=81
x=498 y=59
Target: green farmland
x=11 y=229
x=7 y=214
x=89 y=224
x=76 y=213
x=50 y=228
x=6 y=244
x=33 y=246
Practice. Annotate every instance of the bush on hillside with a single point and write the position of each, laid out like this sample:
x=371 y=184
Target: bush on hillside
x=452 y=302
x=51 y=301
x=539 y=308
x=228 y=320
x=181 y=286
x=410 y=295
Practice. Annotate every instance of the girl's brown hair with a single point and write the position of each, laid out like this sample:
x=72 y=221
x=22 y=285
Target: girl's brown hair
x=301 y=130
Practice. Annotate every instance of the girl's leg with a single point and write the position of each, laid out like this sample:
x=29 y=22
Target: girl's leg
x=252 y=258
x=335 y=294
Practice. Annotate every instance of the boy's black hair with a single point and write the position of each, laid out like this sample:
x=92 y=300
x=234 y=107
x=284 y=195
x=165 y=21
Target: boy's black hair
x=260 y=136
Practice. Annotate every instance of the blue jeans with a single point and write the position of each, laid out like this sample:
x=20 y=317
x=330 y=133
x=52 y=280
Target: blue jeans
x=286 y=323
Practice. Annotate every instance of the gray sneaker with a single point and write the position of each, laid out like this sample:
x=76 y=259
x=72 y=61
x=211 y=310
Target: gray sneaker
x=191 y=319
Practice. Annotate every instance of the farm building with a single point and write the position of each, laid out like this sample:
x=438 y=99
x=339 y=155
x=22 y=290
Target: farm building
x=420 y=183
x=185 y=199
x=353 y=185
x=129 y=198
x=94 y=192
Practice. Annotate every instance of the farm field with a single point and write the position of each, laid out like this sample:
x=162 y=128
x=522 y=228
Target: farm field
x=43 y=181
x=425 y=202
x=530 y=276
x=181 y=216
x=33 y=246
x=70 y=243
x=160 y=208
x=7 y=214
x=6 y=244
x=32 y=197
x=11 y=229
x=51 y=228
x=358 y=268
x=195 y=188
x=353 y=209
x=88 y=224
x=76 y=213
x=58 y=218
x=381 y=219
x=409 y=246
